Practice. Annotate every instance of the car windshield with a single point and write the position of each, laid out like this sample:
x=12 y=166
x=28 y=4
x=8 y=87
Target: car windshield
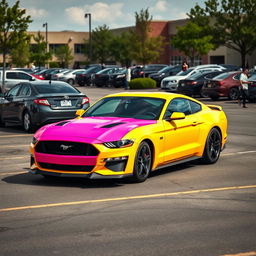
x=128 y=107
x=222 y=76
x=48 y=88
x=165 y=69
x=253 y=77
x=186 y=72
x=153 y=67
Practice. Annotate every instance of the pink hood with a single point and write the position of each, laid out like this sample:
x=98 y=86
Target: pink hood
x=91 y=129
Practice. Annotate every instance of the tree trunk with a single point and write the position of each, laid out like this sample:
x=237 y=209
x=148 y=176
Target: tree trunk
x=3 y=73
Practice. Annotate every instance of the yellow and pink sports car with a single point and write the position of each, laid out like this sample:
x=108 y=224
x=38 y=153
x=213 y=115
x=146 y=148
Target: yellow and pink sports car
x=130 y=134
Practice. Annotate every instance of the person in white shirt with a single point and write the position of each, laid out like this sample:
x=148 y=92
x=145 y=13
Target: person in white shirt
x=244 y=87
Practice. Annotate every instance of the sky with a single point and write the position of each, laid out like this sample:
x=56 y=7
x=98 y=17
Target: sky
x=69 y=14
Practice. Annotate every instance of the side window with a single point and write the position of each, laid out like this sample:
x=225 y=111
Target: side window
x=14 y=91
x=178 y=105
x=23 y=76
x=25 y=90
x=195 y=107
x=11 y=75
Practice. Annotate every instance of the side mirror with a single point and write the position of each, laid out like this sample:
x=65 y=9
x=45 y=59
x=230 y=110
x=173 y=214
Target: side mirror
x=79 y=113
x=177 y=116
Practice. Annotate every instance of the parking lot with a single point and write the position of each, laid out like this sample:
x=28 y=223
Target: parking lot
x=185 y=210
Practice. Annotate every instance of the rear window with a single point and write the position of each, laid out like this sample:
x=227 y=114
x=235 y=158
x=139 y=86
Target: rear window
x=55 y=88
x=222 y=76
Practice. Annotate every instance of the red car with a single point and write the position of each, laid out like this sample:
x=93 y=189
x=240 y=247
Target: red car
x=223 y=85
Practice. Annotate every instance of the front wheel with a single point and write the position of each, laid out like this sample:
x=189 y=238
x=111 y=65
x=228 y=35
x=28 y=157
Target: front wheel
x=233 y=94
x=142 y=163
x=212 y=147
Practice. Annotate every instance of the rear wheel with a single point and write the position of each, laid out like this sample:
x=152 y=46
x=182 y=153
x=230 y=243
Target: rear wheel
x=233 y=94
x=142 y=163
x=71 y=81
x=27 y=122
x=212 y=147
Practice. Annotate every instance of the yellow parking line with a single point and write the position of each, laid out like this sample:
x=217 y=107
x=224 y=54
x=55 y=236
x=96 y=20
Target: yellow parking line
x=104 y=200
x=16 y=135
x=242 y=254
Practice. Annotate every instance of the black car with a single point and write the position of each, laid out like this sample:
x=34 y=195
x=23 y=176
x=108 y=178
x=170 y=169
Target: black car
x=252 y=87
x=101 y=78
x=118 y=79
x=84 y=78
x=164 y=72
x=192 y=86
x=140 y=71
x=32 y=104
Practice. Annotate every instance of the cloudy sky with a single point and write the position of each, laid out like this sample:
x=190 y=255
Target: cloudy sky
x=69 y=14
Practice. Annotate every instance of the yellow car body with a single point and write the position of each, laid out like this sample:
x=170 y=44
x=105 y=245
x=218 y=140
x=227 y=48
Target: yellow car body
x=134 y=146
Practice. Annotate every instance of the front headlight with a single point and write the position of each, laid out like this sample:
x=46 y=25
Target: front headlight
x=120 y=76
x=119 y=144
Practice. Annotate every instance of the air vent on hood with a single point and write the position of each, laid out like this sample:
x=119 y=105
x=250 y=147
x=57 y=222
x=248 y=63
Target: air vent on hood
x=62 y=123
x=112 y=125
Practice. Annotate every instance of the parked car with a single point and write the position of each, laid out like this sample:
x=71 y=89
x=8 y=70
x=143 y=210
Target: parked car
x=164 y=72
x=57 y=73
x=130 y=135
x=137 y=71
x=102 y=77
x=13 y=77
x=230 y=67
x=32 y=104
x=27 y=70
x=252 y=87
x=39 y=74
x=223 y=85
x=70 y=76
x=170 y=83
x=118 y=79
x=192 y=86
x=84 y=78
x=147 y=70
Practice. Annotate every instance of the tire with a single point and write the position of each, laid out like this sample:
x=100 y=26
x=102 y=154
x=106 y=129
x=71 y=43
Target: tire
x=142 y=163
x=233 y=94
x=212 y=147
x=71 y=81
x=2 y=123
x=27 y=122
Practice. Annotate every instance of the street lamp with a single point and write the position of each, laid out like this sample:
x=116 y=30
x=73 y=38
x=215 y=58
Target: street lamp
x=46 y=38
x=90 y=35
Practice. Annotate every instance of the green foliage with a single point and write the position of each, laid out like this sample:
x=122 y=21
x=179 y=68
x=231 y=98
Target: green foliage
x=13 y=27
x=145 y=49
x=54 y=64
x=101 y=39
x=192 y=40
x=64 y=55
x=142 y=83
x=38 y=55
x=232 y=23
x=20 y=55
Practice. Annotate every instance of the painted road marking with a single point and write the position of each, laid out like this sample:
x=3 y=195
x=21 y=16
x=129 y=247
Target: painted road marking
x=105 y=200
x=242 y=254
x=16 y=135
x=10 y=173
x=15 y=146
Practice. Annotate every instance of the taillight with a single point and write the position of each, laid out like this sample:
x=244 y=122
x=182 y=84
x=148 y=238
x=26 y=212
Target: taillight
x=42 y=102
x=194 y=82
x=85 y=100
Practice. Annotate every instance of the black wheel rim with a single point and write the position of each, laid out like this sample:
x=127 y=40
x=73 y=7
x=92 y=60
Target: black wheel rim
x=144 y=161
x=214 y=145
x=233 y=94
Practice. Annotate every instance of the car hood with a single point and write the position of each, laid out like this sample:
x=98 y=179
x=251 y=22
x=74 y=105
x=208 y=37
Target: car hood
x=170 y=78
x=91 y=129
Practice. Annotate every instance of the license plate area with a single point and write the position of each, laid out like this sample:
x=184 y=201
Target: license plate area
x=65 y=103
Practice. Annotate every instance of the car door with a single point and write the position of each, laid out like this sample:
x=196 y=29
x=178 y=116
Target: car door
x=181 y=137
x=10 y=107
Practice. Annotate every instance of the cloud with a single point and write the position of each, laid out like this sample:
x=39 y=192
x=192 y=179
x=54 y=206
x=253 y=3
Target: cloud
x=102 y=13
x=36 y=13
x=161 y=6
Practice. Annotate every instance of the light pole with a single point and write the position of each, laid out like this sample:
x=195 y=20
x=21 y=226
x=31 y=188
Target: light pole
x=46 y=39
x=90 y=35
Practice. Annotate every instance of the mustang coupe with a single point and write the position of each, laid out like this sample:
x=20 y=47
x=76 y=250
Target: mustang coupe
x=130 y=135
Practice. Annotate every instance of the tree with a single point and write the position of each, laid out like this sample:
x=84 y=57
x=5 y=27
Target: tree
x=101 y=40
x=38 y=54
x=20 y=55
x=233 y=21
x=191 y=40
x=121 y=47
x=64 y=55
x=13 y=27
x=146 y=49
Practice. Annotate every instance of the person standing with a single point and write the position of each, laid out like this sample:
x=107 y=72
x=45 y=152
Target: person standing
x=127 y=78
x=243 y=87
x=184 y=65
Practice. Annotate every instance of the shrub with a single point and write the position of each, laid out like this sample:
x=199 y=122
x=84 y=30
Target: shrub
x=142 y=83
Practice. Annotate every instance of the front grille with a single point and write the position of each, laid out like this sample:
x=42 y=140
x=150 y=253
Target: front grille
x=66 y=148
x=70 y=168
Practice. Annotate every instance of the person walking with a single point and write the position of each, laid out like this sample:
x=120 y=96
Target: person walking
x=127 y=78
x=243 y=88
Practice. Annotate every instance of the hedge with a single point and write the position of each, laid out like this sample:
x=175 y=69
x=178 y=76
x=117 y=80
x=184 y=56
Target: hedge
x=142 y=83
